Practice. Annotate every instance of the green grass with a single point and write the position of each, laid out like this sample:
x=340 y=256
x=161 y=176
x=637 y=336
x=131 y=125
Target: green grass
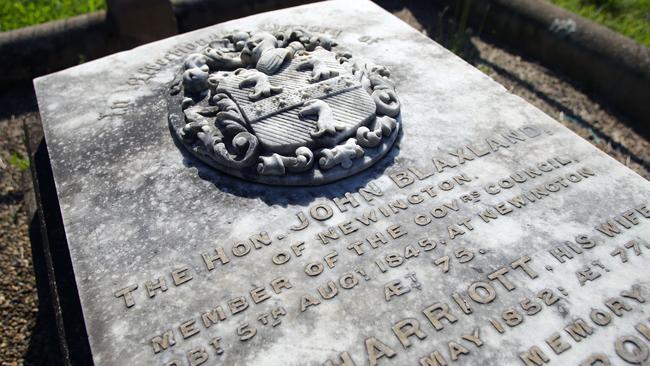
x=20 y=13
x=629 y=17
x=18 y=161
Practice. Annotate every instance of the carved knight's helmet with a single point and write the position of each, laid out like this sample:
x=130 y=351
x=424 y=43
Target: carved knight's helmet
x=261 y=52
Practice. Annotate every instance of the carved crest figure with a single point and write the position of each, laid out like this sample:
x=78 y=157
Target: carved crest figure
x=287 y=108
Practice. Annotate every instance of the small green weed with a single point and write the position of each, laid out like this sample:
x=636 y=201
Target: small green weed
x=19 y=162
x=487 y=70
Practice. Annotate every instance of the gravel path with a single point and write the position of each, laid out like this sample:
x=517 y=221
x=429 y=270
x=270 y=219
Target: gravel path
x=18 y=296
x=18 y=301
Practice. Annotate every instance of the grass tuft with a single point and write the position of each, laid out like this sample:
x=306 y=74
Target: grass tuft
x=21 y=13
x=629 y=17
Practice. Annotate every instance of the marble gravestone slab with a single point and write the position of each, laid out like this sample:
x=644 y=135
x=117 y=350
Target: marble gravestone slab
x=461 y=226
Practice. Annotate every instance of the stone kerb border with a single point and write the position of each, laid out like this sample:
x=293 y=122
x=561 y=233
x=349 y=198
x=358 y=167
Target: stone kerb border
x=30 y=52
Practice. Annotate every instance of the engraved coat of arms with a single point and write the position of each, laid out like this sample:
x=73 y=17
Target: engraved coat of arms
x=284 y=108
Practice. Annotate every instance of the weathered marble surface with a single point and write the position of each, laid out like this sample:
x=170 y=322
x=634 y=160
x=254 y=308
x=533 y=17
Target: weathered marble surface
x=137 y=207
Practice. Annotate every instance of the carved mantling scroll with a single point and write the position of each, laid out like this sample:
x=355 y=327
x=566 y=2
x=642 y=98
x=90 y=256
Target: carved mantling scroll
x=286 y=108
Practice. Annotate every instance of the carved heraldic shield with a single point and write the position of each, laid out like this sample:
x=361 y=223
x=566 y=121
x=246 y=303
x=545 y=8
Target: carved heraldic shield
x=288 y=108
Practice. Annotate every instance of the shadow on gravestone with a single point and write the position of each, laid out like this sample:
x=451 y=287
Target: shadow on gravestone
x=43 y=343
x=59 y=337
x=289 y=195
